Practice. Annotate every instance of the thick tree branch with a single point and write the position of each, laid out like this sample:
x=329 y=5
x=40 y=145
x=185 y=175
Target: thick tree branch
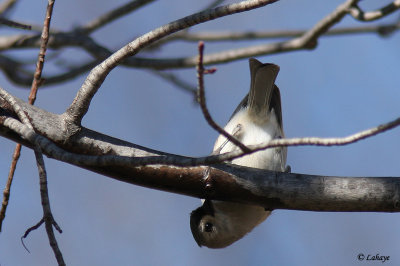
x=273 y=190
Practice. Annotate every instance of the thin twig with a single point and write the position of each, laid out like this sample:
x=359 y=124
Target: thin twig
x=13 y=70
x=113 y=15
x=176 y=81
x=36 y=82
x=218 y=36
x=32 y=136
x=307 y=41
x=357 y=13
x=14 y=24
x=47 y=214
x=30 y=229
x=202 y=101
x=37 y=78
x=65 y=39
x=22 y=116
x=7 y=189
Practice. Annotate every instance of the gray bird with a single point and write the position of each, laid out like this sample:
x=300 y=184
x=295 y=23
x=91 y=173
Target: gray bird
x=257 y=119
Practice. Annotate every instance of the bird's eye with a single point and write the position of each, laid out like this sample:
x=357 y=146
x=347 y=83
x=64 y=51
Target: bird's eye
x=208 y=227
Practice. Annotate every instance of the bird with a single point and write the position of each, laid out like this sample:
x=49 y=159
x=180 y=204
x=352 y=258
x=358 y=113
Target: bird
x=257 y=119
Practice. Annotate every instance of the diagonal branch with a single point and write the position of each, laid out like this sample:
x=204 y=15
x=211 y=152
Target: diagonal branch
x=14 y=24
x=308 y=40
x=176 y=81
x=218 y=36
x=81 y=103
x=113 y=15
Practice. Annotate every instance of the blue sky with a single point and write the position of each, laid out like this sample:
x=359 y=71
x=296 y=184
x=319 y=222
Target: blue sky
x=346 y=85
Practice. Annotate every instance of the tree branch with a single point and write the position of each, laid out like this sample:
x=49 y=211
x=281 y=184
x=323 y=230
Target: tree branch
x=357 y=13
x=6 y=6
x=11 y=101
x=14 y=24
x=47 y=214
x=55 y=128
x=124 y=161
x=7 y=188
x=307 y=41
x=113 y=15
x=16 y=72
x=32 y=97
x=81 y=103
x=27 y=127
x=218 y=36
x=273 y=190
x=177 y=82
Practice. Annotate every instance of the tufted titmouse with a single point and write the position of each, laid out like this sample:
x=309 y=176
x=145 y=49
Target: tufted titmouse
x=257 y=119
